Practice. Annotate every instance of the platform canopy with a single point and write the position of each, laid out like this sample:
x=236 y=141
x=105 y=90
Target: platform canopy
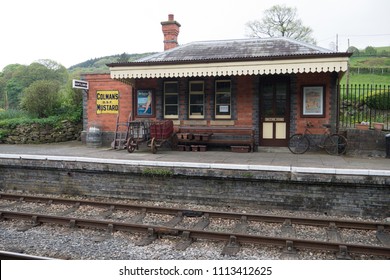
x=234 y=57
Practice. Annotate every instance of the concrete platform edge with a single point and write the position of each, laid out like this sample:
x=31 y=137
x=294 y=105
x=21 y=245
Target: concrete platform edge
x=272 y=168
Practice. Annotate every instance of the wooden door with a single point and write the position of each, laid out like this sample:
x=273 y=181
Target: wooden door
x=274 y=112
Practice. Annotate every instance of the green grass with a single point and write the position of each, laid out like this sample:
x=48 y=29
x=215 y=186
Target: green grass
x=381 y=49
x=370 y=62
x=368 y=79
x=370 y=70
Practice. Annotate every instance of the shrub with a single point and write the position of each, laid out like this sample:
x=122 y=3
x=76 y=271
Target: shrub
x=379 y=100
x=71 y=103
x=3 y=133
x=12 y=114
x=12 y=123
x=41 y=98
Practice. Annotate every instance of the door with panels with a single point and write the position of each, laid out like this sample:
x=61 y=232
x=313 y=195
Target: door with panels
x=274 y=111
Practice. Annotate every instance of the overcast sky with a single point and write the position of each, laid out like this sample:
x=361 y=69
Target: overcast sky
x=72 y=31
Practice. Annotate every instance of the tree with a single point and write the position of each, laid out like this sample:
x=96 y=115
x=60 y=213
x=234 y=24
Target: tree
x=41 y=98
x=46 y=69
x=370 y=51
x=3 y=93
x=13 y=90
x=354 y=50
x=124 y=57
x=17 y=77
x=281 y=21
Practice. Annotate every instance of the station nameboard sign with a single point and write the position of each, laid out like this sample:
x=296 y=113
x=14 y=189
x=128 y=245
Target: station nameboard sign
x=80 y=84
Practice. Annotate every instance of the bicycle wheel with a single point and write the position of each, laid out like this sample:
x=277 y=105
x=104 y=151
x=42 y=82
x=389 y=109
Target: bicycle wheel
x=335 y=144
x=298 y=144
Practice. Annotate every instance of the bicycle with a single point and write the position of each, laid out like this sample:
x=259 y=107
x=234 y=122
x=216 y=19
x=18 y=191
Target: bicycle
x=334 y=144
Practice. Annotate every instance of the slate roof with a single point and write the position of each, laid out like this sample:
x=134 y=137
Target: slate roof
x=236 y=49
x=253 y=56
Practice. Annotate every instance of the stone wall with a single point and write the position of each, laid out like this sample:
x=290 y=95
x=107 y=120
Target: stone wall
x=357 y=195
x=43 y=133
x=366 y=142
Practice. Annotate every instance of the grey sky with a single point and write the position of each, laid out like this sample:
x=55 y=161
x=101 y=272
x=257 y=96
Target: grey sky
x=73 y=31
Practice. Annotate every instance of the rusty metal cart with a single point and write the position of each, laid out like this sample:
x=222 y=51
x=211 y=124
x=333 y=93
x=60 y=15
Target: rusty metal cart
x=154 y=133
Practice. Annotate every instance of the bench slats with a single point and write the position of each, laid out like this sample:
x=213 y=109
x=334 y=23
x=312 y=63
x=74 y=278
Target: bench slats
x=227 y=136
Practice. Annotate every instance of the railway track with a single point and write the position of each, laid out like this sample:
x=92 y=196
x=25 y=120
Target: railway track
x=239 y=229
x=6 y=255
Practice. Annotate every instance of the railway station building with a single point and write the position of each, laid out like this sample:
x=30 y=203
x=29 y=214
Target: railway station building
x=273 y=86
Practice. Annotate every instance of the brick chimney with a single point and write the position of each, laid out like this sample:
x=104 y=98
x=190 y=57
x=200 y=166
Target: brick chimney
x=171 y=29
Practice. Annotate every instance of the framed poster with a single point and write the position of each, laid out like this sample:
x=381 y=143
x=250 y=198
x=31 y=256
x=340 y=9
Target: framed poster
x=313 y=101
x=145 y=103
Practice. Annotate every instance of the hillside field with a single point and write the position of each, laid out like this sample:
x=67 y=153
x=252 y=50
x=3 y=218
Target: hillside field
x=371 y=79
x=369 y=69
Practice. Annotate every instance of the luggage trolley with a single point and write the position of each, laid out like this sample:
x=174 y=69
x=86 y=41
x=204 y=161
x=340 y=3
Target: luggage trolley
x=121 y=133
x=154 y=133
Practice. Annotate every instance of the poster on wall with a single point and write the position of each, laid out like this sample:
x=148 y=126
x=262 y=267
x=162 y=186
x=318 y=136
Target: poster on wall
x=313 y=101
x=145 y=103
x=107 y=102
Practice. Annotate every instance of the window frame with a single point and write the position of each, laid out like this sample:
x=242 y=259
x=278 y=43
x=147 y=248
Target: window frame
x=216 y=115
x=171 y=94
x=192 y=93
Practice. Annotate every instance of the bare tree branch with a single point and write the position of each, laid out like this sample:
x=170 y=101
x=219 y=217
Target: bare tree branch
x=280 y=21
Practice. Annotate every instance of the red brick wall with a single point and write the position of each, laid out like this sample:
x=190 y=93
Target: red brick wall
x=147 y=84
x=313 y=79
x=245 y=100
x=104 y=82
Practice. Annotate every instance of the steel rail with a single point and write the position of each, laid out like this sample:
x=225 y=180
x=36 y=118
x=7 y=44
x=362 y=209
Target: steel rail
x=38 y=219
x=5 y=255
x=320 y=222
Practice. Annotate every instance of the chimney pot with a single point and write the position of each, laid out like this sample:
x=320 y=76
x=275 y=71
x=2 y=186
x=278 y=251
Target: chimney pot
x=171 y=17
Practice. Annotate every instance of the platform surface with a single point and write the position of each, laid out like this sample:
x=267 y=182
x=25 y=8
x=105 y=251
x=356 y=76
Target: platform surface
x=278 y=159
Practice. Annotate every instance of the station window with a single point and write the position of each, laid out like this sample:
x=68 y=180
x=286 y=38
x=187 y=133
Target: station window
x=171 y=100
x=223 y=99
x=196 y=100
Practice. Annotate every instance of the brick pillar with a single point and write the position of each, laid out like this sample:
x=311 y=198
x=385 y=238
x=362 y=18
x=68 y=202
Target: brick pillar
x=171 y=29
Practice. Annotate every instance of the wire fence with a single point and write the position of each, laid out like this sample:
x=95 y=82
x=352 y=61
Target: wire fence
x=370 y=70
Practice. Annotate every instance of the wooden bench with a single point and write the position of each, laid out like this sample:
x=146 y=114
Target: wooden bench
x=222 y=136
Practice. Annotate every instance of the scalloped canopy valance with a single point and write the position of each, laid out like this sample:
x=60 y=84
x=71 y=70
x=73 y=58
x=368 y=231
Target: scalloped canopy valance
x=236 y=68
